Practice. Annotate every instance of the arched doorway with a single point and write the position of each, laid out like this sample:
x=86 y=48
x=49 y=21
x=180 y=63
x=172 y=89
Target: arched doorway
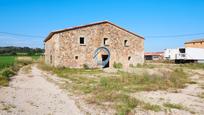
x=102 y=57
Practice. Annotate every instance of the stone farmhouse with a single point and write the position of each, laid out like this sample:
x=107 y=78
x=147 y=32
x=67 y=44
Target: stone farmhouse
x=101 y=44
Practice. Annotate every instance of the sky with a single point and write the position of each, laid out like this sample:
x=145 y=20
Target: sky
x=28 y=22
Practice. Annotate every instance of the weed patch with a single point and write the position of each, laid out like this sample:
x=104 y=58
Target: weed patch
x=193 y=66
x=149 y=106
x=117 y=65
x=201 y=95
x=116 y=88
x=174 y=106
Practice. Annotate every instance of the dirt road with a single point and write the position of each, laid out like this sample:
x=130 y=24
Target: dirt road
x=31 y=94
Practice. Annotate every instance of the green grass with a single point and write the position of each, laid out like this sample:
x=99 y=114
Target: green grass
x=145 y=65
x=35 y=57
x=117 y=65
x=9 y=65
x=174 y=106
x=149 y=106
x=6 y=61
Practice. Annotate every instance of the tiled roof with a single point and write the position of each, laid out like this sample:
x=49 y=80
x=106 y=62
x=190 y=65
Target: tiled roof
x=78 y=27
x=153 y=53
x=196 y=40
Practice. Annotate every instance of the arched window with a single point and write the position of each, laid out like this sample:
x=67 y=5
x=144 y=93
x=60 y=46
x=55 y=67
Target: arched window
x=125 y=43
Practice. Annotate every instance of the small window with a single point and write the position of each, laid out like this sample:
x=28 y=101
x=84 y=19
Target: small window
x=76 y=57
x=129 y=58
x=82 y=40
x=125 y=43
x=105 y=41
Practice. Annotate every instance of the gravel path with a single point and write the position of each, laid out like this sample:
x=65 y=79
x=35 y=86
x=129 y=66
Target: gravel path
x=31 y=94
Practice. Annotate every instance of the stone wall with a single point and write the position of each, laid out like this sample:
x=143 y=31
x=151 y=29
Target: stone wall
x=195 y=45
x=67 y=50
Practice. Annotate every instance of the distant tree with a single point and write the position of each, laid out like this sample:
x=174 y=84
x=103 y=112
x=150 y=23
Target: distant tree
x=11 y=50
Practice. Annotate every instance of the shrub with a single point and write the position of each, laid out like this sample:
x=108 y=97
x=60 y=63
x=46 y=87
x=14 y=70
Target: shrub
x=3 y=81
x=7 y=73
x=131 y=65
x=117 y=65
x=85 y=66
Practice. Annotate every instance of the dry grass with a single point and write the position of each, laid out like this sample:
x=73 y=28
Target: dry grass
x=24 y=60
x=115 y=89
x=201 y=95
x=26 y=69
x=174 y=106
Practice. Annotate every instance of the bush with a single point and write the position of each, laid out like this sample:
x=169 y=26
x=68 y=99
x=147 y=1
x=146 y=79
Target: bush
x=131 y=65
x=117 y=65
x=3 y=81
x=85 y=66
x=7 y=73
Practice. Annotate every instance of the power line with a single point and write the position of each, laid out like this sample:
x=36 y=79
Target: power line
x=169 y=36
x=23 y=35
x=152 y=36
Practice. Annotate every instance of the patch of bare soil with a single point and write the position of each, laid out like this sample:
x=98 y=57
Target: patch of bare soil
x=188 y=98
x=31 y=94
x=82 y=104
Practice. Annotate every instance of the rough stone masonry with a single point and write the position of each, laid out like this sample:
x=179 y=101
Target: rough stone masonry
x=74 y=47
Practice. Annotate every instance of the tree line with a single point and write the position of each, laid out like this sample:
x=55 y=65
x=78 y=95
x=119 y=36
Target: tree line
x=12 y=50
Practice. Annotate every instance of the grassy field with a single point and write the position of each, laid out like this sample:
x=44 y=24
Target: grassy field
x=6 y=61
x=9 y=65
x=115 y=88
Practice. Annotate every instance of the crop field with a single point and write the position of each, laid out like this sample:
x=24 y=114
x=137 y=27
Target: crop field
x=6 y=61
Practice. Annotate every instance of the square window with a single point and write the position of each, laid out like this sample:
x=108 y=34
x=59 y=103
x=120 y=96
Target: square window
x=82 y=40
x=105 y=41
x=76 y=57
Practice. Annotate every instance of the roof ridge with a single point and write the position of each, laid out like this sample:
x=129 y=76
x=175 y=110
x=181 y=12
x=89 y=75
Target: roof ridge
x=86 y=25
x=195 y=40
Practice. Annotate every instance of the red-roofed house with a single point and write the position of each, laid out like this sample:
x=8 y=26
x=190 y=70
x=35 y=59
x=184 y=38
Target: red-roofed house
x=153 y=55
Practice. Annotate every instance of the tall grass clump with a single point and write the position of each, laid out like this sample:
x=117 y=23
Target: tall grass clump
x=174 y=106
x=117 y=65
